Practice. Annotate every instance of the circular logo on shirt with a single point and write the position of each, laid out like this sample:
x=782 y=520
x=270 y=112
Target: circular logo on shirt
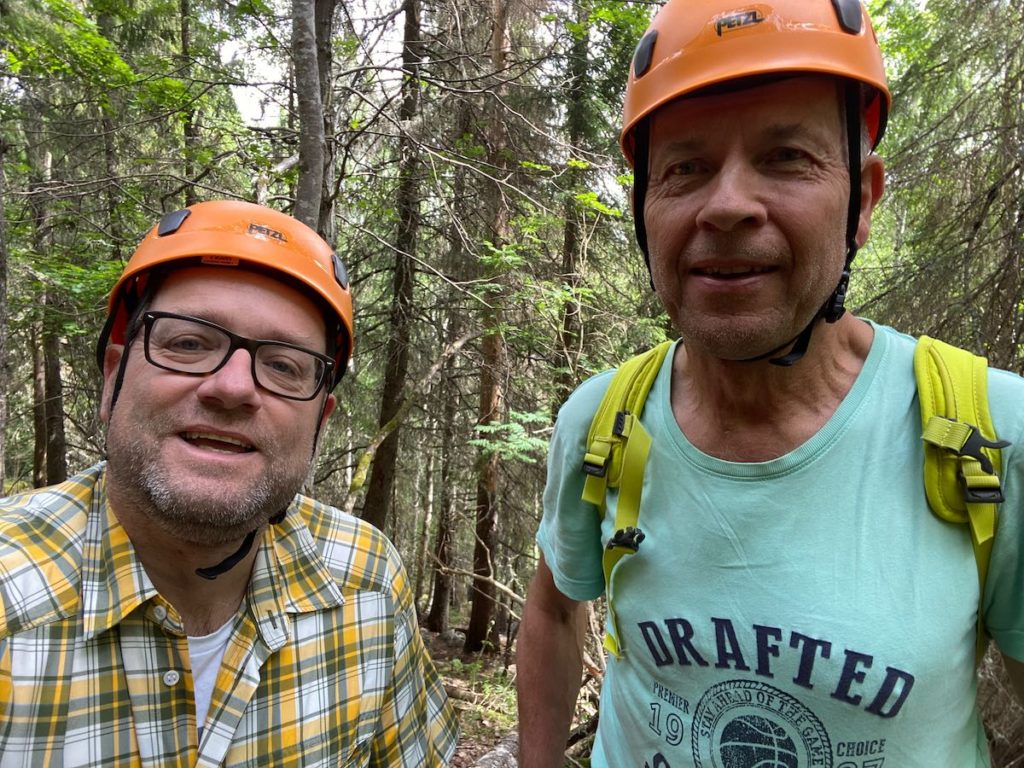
x=748 y=724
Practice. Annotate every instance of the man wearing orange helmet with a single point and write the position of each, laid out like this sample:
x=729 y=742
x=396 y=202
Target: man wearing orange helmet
x=181 y=603
x=791 y=601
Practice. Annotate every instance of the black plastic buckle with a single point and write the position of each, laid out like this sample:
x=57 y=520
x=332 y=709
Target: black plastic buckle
x=597 y=470
x=628 y=537
x=982 y=495
x=973 y=445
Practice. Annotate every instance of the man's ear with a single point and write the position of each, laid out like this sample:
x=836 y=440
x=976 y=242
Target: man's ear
x=872 y=187
x=111 y=362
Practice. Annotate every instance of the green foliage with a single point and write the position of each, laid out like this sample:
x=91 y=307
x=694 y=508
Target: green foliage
x=512 y=439
x=508 y=256
x=163 y=94
x=619 y=25
x=530 y=165
x=590 y=201
x=54 y=39
x=946 y=255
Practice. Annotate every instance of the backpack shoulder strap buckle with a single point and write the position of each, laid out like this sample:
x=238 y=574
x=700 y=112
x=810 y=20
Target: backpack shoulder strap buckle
x=975 y=442
x=976 y=473
x=629 y=538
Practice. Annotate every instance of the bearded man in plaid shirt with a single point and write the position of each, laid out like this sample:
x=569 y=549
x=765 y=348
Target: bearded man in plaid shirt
x=180 y=603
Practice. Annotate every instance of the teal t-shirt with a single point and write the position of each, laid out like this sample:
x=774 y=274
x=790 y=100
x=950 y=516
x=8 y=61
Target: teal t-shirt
x=805 y=611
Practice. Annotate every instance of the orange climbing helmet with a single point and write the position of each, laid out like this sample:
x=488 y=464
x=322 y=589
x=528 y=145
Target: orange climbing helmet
x=694 y=44
x=229 y=233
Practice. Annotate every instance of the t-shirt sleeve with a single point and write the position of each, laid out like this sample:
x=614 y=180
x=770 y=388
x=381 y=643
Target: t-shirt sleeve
x=570 y=530
x=1004 y=589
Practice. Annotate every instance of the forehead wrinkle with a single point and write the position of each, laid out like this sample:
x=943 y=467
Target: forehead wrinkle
x=818 y=131
x=777 y=131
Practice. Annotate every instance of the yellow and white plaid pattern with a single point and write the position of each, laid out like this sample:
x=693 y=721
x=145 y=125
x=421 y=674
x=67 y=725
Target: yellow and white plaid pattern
x=325 y=666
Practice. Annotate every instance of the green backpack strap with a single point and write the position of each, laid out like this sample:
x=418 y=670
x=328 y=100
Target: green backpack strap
x=617 y=448
x=962 y=460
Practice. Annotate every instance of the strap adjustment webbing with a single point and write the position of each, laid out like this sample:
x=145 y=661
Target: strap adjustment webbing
x=617 y=448
x=962 y=458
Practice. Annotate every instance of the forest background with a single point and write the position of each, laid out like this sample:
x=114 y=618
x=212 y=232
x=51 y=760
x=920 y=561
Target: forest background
x=462 y=158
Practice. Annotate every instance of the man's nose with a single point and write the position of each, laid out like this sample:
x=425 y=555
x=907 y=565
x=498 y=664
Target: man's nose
x=232 y=385
x=733 y=199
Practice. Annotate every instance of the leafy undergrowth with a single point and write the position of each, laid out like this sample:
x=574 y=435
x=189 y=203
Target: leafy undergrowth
x=1002 y=714
x=482 y=691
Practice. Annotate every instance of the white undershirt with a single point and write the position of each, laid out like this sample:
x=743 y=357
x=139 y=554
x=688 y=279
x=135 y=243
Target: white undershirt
x=206 y=654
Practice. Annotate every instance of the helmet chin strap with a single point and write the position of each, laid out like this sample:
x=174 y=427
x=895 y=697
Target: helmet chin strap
x=835 y=307
x=239 y=554
x=832 y=310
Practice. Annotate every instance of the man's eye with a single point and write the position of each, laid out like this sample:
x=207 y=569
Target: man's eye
x=787 y=155
x=285 y=365
x=188 y=344
x=686 y=168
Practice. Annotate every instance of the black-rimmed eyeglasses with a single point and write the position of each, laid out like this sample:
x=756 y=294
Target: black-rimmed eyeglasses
x=198 y=347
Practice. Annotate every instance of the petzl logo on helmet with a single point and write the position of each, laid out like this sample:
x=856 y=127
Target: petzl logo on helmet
x=259 y=229
x=738 y=20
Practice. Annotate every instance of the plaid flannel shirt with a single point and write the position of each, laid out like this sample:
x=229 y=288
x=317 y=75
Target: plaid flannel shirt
x=325 y=665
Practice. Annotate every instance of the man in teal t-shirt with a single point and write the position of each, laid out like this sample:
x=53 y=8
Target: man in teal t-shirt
x=794 y=602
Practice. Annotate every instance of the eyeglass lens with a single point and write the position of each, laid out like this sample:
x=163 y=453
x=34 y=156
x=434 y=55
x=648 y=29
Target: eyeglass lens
x=186 y=345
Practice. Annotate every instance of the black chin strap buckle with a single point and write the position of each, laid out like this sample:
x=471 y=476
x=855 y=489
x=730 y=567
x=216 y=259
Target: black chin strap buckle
x=835 y=307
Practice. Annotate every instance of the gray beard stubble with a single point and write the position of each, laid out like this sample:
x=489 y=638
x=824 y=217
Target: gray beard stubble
x=206 y=519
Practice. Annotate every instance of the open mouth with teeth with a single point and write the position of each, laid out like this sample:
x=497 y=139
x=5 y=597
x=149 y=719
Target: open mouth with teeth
x=219 y=443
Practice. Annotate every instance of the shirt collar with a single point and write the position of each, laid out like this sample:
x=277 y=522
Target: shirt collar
x=114 y=583
x=289 y=575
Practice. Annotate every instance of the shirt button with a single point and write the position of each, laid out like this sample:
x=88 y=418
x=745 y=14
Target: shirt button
x=159 y=613
x=171 y=677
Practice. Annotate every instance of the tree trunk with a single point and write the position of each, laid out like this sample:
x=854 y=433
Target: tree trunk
x=309 y=188
x=40 y=161
x=484 y=554
x=110 y=190
x=189 y=114
x=423 y=529
x=56 y=445
x=491 y=375
x=440 y=601
x=570 y=334
x=377 y=506
x=38 y=409
x=5 y=370
x=324 y=21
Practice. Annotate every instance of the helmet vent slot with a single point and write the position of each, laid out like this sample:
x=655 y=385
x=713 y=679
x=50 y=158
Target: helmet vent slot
x=849 y=14
x=644 y=54
x=170 y=223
